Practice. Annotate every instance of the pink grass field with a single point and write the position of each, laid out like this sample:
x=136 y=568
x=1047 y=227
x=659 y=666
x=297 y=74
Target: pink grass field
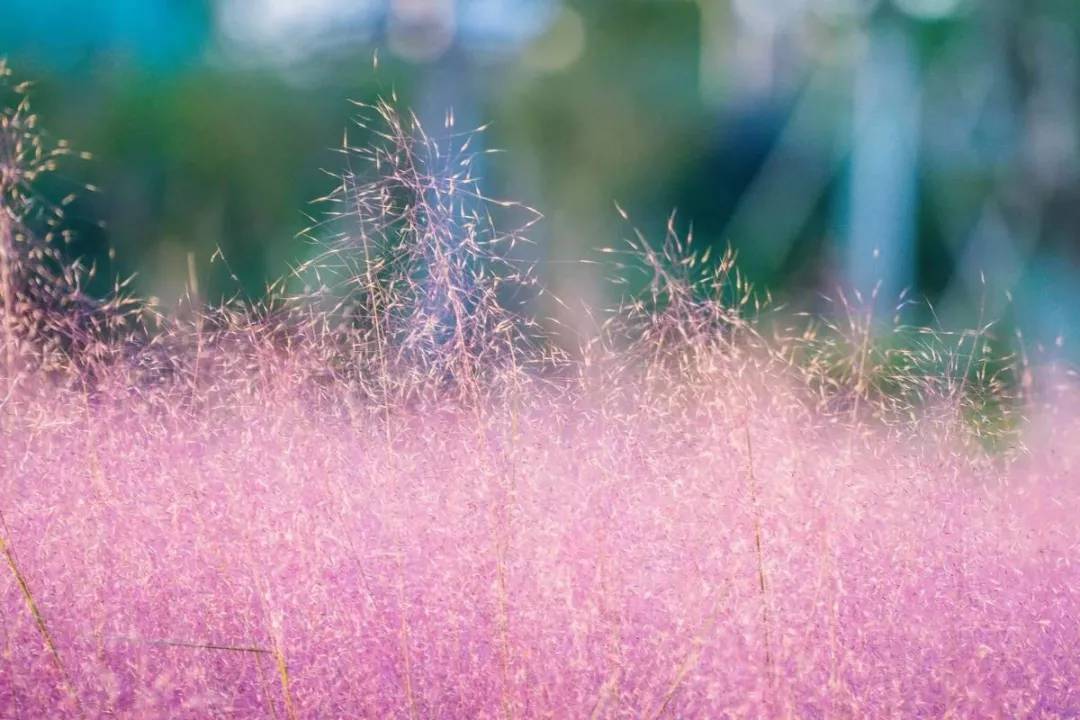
x=263 y=560
x=384 y=492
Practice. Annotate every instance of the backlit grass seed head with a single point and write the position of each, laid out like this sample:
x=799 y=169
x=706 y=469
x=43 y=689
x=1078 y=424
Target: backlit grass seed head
x=414 y=262
x=48 y=322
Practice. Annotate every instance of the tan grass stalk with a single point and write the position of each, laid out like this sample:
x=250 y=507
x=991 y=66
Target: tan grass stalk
x=35 y=612
x=610 y=688
x=759 y=554
x=501 y=541
x=504 y=529
x=266 y=685
x=404 y=640
x=688 y=664
x=283 y=675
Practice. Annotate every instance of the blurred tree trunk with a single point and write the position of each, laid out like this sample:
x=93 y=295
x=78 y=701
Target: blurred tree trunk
x=883 y=184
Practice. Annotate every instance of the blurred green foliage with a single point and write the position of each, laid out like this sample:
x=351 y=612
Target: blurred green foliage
x=212 y=123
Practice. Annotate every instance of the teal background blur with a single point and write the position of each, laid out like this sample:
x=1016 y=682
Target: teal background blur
x=916 y=143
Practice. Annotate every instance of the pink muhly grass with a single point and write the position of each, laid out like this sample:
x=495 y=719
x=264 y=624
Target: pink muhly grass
x=380 y=493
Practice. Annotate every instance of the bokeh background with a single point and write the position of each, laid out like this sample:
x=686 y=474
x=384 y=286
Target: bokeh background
x=923 y=144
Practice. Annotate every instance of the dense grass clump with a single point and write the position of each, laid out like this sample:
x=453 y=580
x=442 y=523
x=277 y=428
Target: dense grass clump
x=382 y=492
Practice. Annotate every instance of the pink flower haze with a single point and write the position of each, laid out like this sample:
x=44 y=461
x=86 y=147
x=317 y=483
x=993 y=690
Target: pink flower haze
x=264 y=559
